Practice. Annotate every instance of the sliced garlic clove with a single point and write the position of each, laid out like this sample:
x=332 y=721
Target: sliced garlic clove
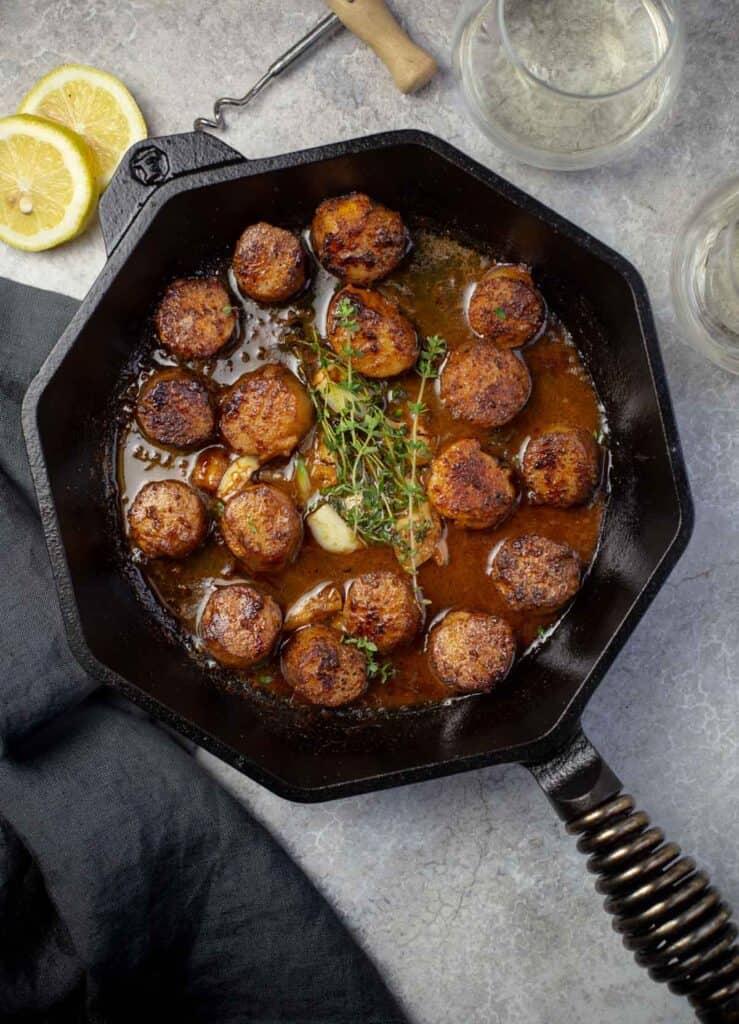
x=331 y=532
x=316 y=605
x=238 y=476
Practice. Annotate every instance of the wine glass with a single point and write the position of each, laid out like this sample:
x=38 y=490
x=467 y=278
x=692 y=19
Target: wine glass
x=568 y=84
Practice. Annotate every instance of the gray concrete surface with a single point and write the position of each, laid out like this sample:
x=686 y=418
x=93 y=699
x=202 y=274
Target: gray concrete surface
x=465 y=890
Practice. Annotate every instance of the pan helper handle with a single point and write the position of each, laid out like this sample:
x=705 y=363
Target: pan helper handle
x=372 y=22
x=668 y=913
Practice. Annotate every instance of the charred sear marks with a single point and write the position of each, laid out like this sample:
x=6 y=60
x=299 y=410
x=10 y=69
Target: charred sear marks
x=484 y=385
x=239 y=626
x=536 y=574
x=357 y=239
x=474 y=489
x=195 y=318
x=323 y=669
x=269 y=263
x=561 y=468
x=174 y=408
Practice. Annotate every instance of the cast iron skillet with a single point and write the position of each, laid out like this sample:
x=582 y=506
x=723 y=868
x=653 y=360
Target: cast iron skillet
x=174 y=203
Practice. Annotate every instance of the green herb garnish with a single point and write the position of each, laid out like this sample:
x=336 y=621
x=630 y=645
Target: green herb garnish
x=228 y=309
x=501 y=313
x=375 y=455
x=382 y=671
x=264 y=678
x=432 y=353
x=219 y=508
x=346 y=315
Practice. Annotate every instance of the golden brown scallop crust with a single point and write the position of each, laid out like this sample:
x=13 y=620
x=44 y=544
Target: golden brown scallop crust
x=195 y=318
x=269 y=263
x=239 y=626
x=174 y=408
x=384 y=342
x=266 y=413
x=470 y=486
x=322 y=669
x=167 y=520
x=262 y=528
x=534 y=573
x=506 y=307
x=484 y=385
x=471 y=651
x=381 y=607
x=357 y=239
x=561 y=468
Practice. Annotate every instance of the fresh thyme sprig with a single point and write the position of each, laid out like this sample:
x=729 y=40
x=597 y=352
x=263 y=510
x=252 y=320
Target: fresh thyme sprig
x=376 y=456
x=346 y=315
x=370 y=451
x=381 y=671
x=429 y=360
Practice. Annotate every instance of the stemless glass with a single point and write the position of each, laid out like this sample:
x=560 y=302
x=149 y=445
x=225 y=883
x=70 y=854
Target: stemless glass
x=705 y=276
x=568 y=84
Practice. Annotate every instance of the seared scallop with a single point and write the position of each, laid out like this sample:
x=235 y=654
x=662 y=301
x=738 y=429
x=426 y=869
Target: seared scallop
x=262 y=528
x=269 y=263
x=322 y=669
x=506 y=307
x=167 y=519
x=471 y=487
x=383 y=341
x=485 y=385
x=381 y=607
x=174 y=408
x=195 y=318
x=239 y=626
x=470 y=651
x=536 y=574
x=561 y=467
x=266 y=413
x=357 y=239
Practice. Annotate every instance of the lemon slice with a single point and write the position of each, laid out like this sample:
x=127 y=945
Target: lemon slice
x=94 y=104
x=47 y=183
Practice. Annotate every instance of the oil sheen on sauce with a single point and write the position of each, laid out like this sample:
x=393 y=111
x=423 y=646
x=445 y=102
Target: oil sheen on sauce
x=431 y=287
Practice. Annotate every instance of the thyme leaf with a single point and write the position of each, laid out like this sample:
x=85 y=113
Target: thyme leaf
x=382 y=671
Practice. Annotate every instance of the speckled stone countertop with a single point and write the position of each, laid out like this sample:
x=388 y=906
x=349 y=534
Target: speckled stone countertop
x=465 y=890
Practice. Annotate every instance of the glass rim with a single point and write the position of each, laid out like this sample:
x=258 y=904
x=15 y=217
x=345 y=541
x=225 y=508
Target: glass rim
x=731 y=242
x=674 y=31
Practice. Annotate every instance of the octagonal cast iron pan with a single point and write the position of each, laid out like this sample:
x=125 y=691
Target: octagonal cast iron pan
x=176 y=201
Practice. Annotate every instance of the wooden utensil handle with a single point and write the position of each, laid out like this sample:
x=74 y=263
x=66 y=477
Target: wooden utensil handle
x=372 y=22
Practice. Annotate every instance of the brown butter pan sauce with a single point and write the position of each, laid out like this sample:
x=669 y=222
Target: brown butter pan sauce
x=431 y=286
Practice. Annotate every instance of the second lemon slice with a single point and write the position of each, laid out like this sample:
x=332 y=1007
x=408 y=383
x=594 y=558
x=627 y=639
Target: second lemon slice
x=47 y=183
x=94 y=104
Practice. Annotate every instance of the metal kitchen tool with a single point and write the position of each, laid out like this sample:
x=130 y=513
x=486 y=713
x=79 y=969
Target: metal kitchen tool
x=372 y=22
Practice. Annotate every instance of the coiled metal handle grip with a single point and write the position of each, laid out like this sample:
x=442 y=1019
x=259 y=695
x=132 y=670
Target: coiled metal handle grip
x=667 y=911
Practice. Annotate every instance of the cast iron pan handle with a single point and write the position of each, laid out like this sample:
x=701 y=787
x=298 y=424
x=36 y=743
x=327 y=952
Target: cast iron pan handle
x=149 y=164
x=668 y=913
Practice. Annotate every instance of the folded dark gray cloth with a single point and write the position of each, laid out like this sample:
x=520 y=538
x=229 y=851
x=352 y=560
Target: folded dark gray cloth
x=132 y=887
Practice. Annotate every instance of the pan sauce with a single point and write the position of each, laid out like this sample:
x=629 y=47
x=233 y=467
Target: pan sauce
x=432 y=286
